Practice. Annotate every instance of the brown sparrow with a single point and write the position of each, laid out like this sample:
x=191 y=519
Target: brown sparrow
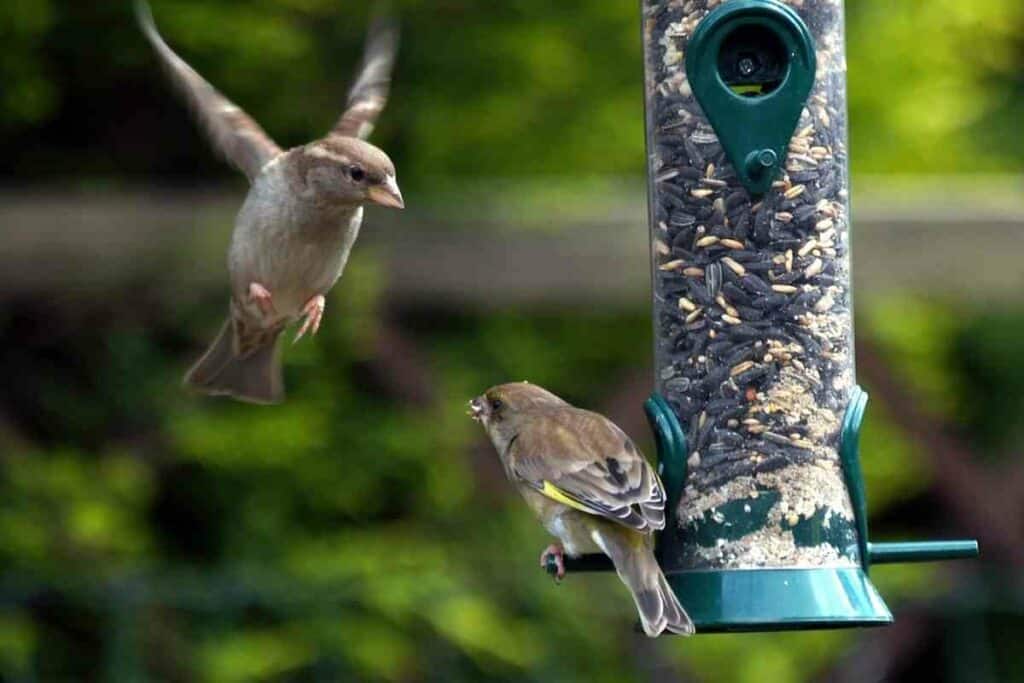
x=297 y=225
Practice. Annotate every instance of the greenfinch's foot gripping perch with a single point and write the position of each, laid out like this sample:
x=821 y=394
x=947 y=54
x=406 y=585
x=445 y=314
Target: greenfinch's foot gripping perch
x=556 y=553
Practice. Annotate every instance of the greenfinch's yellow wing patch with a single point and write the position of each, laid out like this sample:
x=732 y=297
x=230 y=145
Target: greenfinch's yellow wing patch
x=557 y=494
x=582 y=460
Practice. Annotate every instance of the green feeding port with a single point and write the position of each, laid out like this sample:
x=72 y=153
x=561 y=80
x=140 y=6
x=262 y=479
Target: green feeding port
x=751 y=65
x=752 y=60
x=756 y=412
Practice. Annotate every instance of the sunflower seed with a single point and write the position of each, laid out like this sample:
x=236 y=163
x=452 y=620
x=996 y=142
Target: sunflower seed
x=734 y=266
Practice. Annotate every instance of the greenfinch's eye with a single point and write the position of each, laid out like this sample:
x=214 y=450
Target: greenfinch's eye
x=357 y=174
x=496 y=404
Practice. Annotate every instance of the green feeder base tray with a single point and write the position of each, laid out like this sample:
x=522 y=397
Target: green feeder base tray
x=779 y=599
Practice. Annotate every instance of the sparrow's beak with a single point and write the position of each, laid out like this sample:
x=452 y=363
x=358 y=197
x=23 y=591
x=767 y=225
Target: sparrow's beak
x=387 y=194
x=476 y=409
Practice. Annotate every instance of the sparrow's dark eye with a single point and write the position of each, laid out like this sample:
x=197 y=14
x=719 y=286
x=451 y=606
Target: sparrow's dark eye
x=496 y=404
x=357 y=174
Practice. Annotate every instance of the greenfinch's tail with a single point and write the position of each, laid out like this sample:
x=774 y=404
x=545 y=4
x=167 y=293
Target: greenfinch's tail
x=252 y=375
x=634 y=560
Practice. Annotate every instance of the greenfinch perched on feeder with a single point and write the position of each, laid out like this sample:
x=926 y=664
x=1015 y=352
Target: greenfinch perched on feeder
x=589 y=485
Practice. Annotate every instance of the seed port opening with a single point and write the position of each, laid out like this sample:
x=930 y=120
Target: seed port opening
x=752 y=60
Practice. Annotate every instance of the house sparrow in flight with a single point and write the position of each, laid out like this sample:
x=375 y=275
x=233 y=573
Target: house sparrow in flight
x=590 y=487
x=297 y=225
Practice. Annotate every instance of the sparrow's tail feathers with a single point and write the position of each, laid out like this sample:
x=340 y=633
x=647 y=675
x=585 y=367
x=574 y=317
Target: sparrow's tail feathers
x=253 y=375
x=636 y=565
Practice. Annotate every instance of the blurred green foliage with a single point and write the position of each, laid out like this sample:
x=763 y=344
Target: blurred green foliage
x=499 y=89
x=29 y=96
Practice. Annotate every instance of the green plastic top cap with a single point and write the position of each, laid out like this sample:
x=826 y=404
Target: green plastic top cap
x=751 y=66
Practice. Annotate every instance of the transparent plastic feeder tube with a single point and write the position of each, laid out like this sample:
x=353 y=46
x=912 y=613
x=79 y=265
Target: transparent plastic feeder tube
x=752 y=313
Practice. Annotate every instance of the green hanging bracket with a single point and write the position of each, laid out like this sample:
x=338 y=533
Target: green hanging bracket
x=892 y=552
x=751 y=66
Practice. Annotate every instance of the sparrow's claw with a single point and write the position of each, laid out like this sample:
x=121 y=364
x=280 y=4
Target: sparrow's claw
x=260 y=295
x=314 y=312
x=557 y=553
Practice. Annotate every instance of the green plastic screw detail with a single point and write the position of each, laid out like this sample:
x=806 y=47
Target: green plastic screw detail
x=893 y=552
x=761 y=162
x=751 y=66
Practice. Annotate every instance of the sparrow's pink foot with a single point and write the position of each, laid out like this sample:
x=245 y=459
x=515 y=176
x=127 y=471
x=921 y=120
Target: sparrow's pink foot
x=261 y=296
x=314 y=312
x=556 y=551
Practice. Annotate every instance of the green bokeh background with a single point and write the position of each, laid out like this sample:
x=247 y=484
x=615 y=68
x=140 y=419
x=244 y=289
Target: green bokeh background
x=363 y=531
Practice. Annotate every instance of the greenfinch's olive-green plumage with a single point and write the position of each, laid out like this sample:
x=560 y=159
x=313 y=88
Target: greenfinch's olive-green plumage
x=590 y=487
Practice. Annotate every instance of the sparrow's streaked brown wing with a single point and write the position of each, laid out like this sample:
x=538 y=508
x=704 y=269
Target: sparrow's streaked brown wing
x=583 y=460
x=369 y=94
x=233 y=132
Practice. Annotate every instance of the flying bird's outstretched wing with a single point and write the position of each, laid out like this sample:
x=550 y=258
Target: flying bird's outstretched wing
x=233 y=133
x=369 y=94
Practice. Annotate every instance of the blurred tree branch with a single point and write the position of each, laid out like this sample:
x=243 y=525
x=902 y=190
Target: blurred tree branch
x=398 y=369
x=986 y=500
x=881 y=653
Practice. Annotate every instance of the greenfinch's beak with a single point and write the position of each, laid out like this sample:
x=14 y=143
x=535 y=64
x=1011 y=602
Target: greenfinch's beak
x=387 y=194
x=476 y=409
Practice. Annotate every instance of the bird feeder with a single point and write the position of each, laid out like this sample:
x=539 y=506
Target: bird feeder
x=757 y=412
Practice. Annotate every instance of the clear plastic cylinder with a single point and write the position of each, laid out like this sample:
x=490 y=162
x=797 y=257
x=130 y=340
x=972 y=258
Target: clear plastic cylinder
x=752 y=312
